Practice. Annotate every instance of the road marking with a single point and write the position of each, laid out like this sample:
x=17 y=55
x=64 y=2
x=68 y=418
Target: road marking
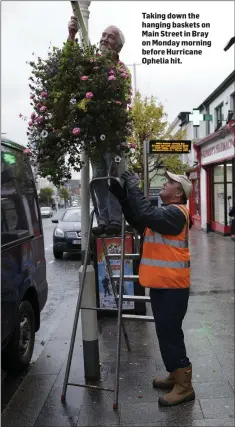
x=51 y=262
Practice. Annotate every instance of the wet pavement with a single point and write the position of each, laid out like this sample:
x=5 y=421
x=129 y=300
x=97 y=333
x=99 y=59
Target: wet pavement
x=209 y=336
x=62 y=277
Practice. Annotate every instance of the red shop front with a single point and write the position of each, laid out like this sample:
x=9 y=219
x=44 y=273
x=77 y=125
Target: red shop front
x=217 y=179
x=194 y=201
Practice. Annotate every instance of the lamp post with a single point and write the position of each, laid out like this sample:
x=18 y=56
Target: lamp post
x=88 y=317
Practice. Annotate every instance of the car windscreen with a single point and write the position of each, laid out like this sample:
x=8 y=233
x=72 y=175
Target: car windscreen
x=72 y=216
x=45 y=209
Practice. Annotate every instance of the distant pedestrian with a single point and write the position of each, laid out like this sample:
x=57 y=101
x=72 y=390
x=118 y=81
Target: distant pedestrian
x=232 y=214
x=105 y=283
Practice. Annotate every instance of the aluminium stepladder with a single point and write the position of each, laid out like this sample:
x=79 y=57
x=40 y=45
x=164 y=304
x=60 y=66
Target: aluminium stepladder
x=118 y=298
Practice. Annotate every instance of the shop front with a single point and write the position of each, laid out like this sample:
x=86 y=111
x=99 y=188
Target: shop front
x=218 y=176
x=194 y=201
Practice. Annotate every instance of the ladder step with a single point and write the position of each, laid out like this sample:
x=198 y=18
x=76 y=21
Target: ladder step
x=139 y=298
x=133 y=277
x=126 y=256
x=138 y=317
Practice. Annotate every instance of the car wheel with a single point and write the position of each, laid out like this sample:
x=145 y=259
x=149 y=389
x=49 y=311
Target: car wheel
x=18 y=353
x=57 y=254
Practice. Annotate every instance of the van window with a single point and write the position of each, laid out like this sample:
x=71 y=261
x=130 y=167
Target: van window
x=13 y=218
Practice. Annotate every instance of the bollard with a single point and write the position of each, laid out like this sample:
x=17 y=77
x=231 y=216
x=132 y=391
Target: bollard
x=90 y=326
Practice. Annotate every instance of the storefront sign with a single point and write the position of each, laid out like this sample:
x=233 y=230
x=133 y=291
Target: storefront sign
x=169 y=147
x=113 y=245
x=193 y=175
x=218 y=150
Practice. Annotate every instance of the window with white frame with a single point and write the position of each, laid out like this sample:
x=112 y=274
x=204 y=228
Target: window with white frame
x=218 y=116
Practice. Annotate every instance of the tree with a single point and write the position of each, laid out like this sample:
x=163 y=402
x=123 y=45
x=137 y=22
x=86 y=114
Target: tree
x=150 y=122
x=46 y=195
x=64 y=194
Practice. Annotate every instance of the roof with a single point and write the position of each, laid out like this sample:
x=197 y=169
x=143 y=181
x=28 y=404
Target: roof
x=12 y=144
x=230 y=79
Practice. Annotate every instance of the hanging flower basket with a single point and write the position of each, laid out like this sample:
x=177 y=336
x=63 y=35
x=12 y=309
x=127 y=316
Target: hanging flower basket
x=81 y=102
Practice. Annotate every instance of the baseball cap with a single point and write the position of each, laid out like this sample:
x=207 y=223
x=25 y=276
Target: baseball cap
x=183 y=180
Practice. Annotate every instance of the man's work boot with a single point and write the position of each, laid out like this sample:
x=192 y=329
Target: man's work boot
x=182 y=391
x=164 y=383
x=99 y=230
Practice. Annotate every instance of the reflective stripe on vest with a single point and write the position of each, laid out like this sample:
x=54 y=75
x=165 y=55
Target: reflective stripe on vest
x=157 y=238
x=165 y=264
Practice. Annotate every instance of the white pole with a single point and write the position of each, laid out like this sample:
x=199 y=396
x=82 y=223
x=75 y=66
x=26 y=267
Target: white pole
x=88 y=317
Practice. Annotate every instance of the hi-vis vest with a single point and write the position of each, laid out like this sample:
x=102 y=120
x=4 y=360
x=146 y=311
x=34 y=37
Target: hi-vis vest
x=165 y=261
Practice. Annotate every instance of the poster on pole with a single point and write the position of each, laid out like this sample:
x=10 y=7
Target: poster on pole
x=106 y=297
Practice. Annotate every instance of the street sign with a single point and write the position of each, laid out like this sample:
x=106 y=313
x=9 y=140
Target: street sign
x=169 y=147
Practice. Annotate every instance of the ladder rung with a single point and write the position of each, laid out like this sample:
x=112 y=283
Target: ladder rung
x=138 y=298
x=99 y=308
x=133 y=277
x=126 y=256
x=138 y=317
x=94 y=387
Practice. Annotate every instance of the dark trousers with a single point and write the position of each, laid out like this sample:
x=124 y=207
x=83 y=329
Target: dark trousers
x=169 y=307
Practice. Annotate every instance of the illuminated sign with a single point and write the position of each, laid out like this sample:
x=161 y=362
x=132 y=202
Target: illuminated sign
x=9 y=158
x=169 y=147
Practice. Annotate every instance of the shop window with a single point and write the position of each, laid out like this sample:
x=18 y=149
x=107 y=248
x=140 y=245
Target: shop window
x=219 y=173
x=219 y=203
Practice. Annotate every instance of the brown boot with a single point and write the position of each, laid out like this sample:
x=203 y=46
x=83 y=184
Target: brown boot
x=182 y=391
x=164 y=383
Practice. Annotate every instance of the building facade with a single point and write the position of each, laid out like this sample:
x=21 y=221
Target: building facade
x=212 y=159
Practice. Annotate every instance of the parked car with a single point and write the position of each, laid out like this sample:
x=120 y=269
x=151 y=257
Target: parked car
x=67 y=234
x=46 y=212
x=23 y=274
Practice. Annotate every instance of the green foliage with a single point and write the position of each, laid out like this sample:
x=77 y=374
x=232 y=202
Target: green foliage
x=46 y=194
x=149 y=122
x=63 y=193
x=80 y=99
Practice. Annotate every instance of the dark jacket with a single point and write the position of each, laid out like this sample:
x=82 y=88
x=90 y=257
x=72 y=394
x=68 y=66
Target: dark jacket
x=140 y=213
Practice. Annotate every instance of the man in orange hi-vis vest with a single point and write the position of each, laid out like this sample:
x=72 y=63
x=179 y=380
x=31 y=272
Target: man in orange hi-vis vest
x=165 y=269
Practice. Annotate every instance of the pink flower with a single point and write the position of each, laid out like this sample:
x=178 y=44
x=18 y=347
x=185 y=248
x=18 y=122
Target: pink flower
x=20 y=115
x=84 y=78
x=111 y=72
x=43 y=108
x=76 y=131
x=133 y=146
x=118 y=102
x=111 y=77
x=89 y=95
x=32 y=96
x=30 y=123
x=122 y=70
x=33 y=116
x=27 y=151
x=124 y=75
x=39 y=119
x=39 y=105
x=44 y=94
x=120 y=63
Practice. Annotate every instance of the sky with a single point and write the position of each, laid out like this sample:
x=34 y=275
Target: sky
x=29 y=26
